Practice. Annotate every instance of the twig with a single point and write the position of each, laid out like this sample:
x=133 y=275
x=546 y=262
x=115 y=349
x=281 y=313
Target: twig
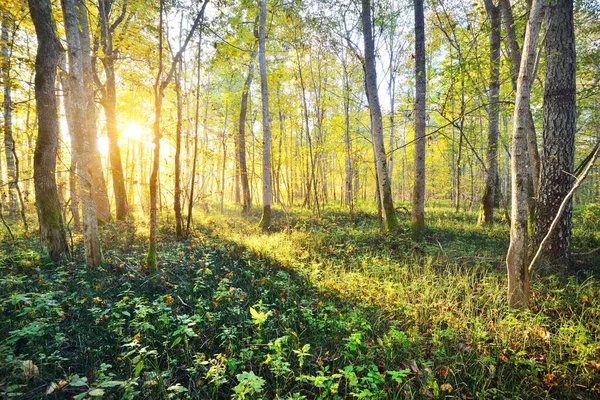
x=563 y=206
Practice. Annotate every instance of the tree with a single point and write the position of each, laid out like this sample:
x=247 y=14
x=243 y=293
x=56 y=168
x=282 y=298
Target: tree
x=486 y=212
x=418 y=200
x=100 y=191
x=559 y=132
x=514 y=52
x=81 y=136
x=265 y=221
x=241 y=138
x=9 y=143
x=160 y=84
x=109 y=100
x=516 y=258
x=44 y=161
x=383 y=177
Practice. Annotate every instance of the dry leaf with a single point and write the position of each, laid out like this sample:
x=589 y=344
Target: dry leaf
x=446 y=387
x=30 y=369
x=444 y=371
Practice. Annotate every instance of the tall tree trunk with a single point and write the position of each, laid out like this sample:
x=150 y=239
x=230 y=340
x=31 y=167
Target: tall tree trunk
x=241 y=138
x=383 y=178
x=559 y=132
x=516 y=258
x=109 y=104
x=195 y=159
x=44 y=161
x=100 y=191
x=160 y=84
x=349 y=198
x=265 y=221
x=486 y=211
x=9 y=143
x=73 y=186
x=83 y=152
x=418 y=200
x=178 y=128
x=514 y=52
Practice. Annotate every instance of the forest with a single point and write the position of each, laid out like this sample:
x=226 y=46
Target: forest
x=300 y=199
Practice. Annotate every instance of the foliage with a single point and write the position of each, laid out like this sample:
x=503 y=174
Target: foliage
x=323 y=308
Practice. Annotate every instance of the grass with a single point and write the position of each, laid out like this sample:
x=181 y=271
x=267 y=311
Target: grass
x=324 y=307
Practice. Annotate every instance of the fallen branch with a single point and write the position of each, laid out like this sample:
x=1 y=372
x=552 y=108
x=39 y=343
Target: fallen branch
x=563 y=205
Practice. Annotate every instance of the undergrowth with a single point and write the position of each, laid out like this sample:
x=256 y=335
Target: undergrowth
x=321 y=307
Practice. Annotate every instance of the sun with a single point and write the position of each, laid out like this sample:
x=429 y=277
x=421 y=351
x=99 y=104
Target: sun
x=133 y=131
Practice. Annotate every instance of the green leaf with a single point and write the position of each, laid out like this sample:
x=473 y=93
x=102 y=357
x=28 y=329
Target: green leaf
x=96 y=392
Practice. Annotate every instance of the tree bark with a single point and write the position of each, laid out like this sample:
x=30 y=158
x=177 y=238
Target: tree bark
x=383 y=178
x=486 y=211
x=558 y=134
x=265 y=221
x=9 y=143
x=514 y=52
x=83 y=152
x=418 y=201
x=100 y=191
x=516 y=258
x=241 y=138
x=109 y=104
x=44 y=161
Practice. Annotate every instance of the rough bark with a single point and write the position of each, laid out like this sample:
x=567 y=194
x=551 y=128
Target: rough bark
x=383 y=178
x=265 y=221
x=558 y=134
x=83 y=151
x=109 y=102
x=241 y=138
x=486 y=211
x=44 y=161
x=9 y=143
x=96 y=170
x=418 y=201
x=516 y=258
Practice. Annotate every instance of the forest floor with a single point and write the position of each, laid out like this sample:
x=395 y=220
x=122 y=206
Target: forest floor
x=322 y=307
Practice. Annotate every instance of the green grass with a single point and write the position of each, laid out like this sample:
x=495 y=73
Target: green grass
x=324 y=307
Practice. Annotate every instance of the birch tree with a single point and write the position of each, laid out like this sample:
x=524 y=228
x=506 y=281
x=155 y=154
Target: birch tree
x=516 y=258
x=265 y=221
x=81 y=137
x=383 y=178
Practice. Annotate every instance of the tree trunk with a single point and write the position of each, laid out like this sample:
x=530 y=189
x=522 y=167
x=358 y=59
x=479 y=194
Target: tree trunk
x=265 y=221
x=9 y=143
x=100 y=191
x=514 y=51
x=241 y=138
x=44 y=161
x=383 y=178
x=109 y=104
x=178 y=128
x=195 y=159
x=486 y=212
x=160 y=85
x=559 y=132
x=418 y=201
x=516 y=258
x=83 y=154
